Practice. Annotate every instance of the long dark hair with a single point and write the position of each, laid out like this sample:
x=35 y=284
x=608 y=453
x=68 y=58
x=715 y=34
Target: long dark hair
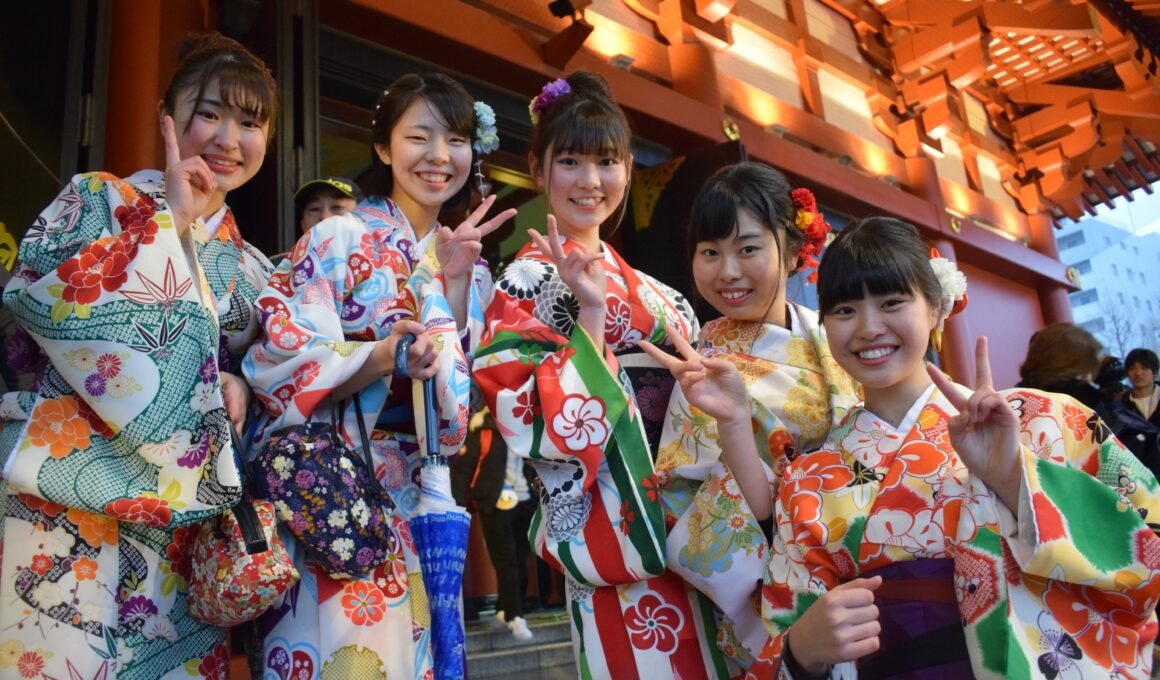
x=244 y=81
x=879 y=256
x=448 y=101
x=584 y=121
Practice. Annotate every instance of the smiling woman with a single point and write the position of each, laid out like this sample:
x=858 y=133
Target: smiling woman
x=128 y=442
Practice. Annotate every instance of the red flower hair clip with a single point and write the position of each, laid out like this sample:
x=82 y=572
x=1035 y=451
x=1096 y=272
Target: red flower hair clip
x=813 y=226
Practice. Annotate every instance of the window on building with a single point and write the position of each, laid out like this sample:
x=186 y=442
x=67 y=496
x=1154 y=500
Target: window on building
x=1135 y=250
x=1084 y=297
x=1123 y=246
x=1115 y=270
x=1137 y=300
x=1121 y=296
x=1093 y=326
x=1149 y=305
x=1071 y=240
x=1107 y=241
x=1084 y=266
x=1130 y=274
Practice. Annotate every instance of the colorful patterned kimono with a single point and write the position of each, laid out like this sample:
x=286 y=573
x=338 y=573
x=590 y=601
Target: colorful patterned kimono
x=797 y=392
x=342 y=288
x=128 y=442
x=589 y=423
x=1063 y=587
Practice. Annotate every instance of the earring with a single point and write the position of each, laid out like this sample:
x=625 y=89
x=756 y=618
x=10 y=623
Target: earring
x=936 y=336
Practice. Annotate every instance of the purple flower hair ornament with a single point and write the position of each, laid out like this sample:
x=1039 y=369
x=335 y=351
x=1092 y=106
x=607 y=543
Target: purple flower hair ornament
x=547 y=96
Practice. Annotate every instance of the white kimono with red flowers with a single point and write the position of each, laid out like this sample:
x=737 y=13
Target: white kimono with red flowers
x=127 y=444
x=589 y=423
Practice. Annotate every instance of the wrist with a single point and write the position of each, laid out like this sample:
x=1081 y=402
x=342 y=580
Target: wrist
x=383 y=356
x=803 y=667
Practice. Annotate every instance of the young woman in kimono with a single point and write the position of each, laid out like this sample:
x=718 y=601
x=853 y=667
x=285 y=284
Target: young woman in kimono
x=140 y=293
x=947 y=533
x=333 y=313
x=570 y=391
x=775 y=390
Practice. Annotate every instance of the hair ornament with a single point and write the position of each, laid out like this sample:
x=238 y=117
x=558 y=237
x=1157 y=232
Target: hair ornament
x=486 y=139
x=809 y=222
x=953 y=286
x=548 y=95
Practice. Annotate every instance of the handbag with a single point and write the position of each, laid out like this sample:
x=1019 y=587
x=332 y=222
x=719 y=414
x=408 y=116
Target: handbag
x=327 y=495
x=239 y=566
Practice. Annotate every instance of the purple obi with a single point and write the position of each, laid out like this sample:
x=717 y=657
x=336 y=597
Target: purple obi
x=922 y=633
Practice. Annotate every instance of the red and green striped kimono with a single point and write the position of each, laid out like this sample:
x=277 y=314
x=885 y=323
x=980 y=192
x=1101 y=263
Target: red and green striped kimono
x=589 y=424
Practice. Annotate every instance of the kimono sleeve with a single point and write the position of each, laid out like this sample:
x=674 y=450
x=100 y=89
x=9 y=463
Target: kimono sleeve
x=560 y=404
x=318 y=298
x=800 y=570
x=1087 y=506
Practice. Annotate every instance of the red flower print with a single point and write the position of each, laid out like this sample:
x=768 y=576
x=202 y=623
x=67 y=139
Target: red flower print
x=30 y=664
x=136 y=217
x=650 y=487
x=109 y=366
x=363 y=603
x=1105 y=624
x=59 y=425
x=1076 y=420
x=617 y=320
x=216 y=666
x=41 y=563
x=525 y=408
x=180 y=550
x=35 y=503
x=821 y=471
x=85 y=569
x=94 y=268
x=976 y=583
x=627 y=517
x=653 y=624
x=153 y=512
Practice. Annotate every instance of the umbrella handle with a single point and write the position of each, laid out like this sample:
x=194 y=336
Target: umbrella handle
x=431 y=417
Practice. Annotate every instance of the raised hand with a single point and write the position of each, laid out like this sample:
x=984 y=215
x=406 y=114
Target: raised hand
x=457 y=249
x=580 y=269
x=840 y=626
x=985 y=433
x=189 y=183
x=713 y=385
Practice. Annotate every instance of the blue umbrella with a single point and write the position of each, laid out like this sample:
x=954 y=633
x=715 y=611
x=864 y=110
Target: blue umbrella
x=439 y=529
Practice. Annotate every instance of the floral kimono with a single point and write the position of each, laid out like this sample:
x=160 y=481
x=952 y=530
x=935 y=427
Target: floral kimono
x=588 y=424
x=1064 y=586
x=338 y=293
x=797 y=392
x=127 y=443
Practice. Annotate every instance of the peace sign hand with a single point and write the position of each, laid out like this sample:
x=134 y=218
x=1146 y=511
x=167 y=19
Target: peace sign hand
x=580 y=270
x=458 y=249
x=189 y=183
x=713 y=385
x=985 y=433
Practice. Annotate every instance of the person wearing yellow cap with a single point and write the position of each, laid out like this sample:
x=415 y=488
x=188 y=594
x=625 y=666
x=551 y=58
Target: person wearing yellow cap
x=324 y=197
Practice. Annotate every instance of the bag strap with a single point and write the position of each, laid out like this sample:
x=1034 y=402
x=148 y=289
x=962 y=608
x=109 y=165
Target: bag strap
x=366 y=441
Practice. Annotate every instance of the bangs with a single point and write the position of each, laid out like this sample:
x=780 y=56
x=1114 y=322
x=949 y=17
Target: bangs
x=854 y=267
x=714 y=217
x=595 y=132
x=244 y=89
x=452 y=108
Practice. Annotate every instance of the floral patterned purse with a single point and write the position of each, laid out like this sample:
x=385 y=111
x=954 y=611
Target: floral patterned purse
x=239 y=566
x=327 y=495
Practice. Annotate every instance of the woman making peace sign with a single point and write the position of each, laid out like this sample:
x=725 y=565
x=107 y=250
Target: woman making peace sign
x=940 y=531
x=140 y=292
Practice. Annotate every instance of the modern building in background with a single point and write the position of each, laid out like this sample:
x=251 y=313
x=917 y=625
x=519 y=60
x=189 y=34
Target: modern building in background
x=1119 y=299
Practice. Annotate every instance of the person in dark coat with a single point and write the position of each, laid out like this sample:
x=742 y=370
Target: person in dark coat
x=497 y=483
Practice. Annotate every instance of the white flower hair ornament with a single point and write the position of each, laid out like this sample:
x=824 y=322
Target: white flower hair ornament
x=486 y=140
x=953 y=298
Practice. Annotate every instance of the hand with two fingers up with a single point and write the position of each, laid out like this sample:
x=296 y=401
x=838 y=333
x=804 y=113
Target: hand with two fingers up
x=985 y=433
x=712 y=384
x=582 y=272
x=190 y=185
x=457 y=249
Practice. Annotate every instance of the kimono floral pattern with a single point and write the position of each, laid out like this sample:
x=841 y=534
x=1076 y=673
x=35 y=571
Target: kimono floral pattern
x=714 y=542
x=581 y=419
x=136 y=325
x=1065 y=586
x=340 y=290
